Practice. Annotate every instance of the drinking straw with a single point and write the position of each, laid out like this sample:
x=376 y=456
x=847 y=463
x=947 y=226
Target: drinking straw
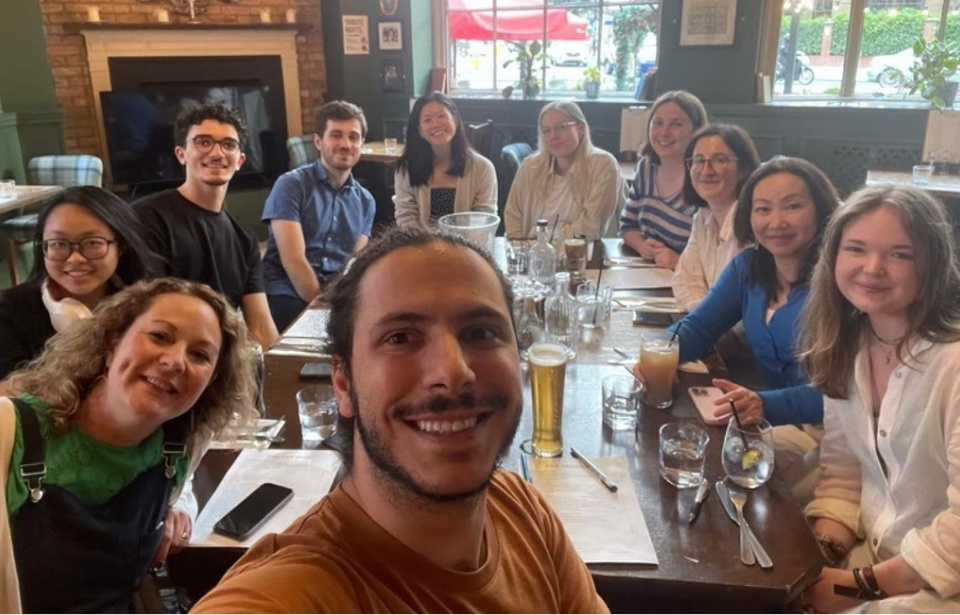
x=556 y=220
x=596 y=297
x=676 y=332
x=736 y=417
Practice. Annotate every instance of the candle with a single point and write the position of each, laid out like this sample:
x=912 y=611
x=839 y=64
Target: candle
x=291 y=15
x=93 y=14
x=264 y=15
x=163 y=16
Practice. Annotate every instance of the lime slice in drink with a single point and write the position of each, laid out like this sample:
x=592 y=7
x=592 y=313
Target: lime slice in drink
x=750 y=459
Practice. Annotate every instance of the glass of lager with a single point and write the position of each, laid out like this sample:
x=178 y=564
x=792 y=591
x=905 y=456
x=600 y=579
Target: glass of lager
x=548 y=367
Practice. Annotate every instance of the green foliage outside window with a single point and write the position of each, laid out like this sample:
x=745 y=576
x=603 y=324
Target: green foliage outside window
x=630 y=27
x=883 y=33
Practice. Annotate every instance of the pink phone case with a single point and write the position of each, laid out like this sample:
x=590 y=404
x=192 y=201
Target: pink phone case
x=703 y=398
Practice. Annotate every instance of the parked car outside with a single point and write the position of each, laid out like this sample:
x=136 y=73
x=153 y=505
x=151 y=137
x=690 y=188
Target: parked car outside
x=891 y=70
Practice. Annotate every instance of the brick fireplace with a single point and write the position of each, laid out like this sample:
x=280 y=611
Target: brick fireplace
x=79 y=52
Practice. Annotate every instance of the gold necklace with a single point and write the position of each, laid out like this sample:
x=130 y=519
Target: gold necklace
x=891 y=344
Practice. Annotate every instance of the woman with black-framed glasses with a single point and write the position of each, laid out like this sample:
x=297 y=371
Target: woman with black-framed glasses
x=88 y=245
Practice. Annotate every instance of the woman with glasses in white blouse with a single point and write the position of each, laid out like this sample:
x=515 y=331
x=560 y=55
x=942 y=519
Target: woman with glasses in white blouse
x=719 y=159
x=567 y=180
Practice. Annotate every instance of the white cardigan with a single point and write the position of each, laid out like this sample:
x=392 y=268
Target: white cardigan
x=476 y=191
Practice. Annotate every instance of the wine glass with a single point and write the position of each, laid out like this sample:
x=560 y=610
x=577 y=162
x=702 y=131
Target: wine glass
x=747 y=454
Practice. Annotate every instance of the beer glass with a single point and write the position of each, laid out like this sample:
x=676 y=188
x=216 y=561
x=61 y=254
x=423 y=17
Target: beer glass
x=548 y=366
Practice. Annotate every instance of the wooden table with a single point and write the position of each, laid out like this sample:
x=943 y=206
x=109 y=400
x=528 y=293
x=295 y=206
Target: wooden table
x=944 y=186
x=26 y=197
x=699 y=569
x=376 y=151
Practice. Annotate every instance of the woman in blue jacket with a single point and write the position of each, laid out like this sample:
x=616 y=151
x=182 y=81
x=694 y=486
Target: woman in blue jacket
x=783 y=209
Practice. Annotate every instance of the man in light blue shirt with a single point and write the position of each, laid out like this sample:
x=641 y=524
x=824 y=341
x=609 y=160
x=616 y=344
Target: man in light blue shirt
x=319 y=215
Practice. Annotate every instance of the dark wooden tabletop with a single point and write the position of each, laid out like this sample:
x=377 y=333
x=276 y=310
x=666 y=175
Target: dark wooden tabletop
x=699 y=567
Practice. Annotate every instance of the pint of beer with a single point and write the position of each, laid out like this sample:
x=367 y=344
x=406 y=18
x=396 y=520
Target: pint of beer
x=548 y=367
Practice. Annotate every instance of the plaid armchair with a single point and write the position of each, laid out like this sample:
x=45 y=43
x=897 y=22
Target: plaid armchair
x=302 y=150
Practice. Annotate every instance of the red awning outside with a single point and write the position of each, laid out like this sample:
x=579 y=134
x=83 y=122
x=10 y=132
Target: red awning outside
x=512 y=25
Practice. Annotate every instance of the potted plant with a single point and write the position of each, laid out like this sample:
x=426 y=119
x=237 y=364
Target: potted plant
x=527 y=54
x=591 y=82
x=933 y=65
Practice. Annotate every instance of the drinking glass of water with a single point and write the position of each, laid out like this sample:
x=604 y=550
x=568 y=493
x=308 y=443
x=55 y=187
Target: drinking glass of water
x=683 y=449
x=318 y=409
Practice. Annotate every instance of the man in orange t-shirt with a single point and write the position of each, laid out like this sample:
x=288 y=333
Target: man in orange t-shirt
x=427 y=375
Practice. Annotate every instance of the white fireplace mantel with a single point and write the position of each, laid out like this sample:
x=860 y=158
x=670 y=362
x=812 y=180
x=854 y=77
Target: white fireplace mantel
x=103 y=44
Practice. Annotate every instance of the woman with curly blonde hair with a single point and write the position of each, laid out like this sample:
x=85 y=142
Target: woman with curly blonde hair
x=882 y=341
x=115 y=415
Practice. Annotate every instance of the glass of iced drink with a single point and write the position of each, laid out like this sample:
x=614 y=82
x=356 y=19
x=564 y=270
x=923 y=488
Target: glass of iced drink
x=659 y=358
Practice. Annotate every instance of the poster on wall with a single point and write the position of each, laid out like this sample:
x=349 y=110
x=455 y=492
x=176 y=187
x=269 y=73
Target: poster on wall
x=356 y=35
x=708 y=22
x=390 y=38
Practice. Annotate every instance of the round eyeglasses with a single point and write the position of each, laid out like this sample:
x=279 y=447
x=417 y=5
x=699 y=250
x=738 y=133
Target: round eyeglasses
x=719 y=162
x=92 y=248
x=204 y=144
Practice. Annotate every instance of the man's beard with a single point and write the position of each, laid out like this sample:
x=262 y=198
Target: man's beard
x=384 y=460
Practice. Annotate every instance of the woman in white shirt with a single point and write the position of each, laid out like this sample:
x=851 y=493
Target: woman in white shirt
x=567 y=179
x=719 y=159
x=439 y=173
x=882 y=341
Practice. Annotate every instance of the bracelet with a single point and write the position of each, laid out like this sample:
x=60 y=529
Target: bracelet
x=866 y=589
x=832 y=549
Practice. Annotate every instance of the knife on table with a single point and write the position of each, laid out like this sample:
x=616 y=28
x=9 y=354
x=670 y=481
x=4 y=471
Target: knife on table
x=724 y=496
x=702 y=492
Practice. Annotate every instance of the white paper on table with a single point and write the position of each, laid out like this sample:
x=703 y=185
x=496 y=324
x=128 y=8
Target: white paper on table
x=605 y=527
x=312 y=323
x=309 y=473
x=632 y=278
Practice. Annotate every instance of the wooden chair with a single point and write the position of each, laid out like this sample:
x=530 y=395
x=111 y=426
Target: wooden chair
x=58 y=170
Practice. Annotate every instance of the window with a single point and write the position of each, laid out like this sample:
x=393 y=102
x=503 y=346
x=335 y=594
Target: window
x=815 y=57
x=548 y=46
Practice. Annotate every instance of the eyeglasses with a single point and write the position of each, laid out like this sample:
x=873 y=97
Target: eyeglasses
x=719 y=162
x=92 y=248
x=549 y=130
x=205 y=144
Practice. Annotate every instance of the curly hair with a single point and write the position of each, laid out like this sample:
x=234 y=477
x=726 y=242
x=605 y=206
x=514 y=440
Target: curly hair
x=739 y=142
x=194 y=116
x=832 y=329
x=74 y=360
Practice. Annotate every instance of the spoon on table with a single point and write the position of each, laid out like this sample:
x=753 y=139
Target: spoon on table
x=739 y=498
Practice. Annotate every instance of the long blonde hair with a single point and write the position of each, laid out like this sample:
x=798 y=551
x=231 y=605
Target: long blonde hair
x=833 y=329
x=75 y=359
x=542 y=161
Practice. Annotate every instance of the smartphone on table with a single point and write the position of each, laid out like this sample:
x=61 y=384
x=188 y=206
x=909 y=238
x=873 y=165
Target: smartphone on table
x=703 y=398
x=654 y=319
x=247 y=516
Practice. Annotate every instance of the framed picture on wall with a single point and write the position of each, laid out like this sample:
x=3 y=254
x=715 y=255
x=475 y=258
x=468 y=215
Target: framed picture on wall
x=390 y=36
x=708 y=22
x=391 y=76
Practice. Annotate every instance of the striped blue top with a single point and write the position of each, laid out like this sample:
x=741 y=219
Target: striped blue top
x=666 y=219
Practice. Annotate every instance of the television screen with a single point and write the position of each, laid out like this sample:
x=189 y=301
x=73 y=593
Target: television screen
x=139 y=130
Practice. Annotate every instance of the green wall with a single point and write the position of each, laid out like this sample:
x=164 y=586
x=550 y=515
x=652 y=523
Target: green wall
x=30 y=121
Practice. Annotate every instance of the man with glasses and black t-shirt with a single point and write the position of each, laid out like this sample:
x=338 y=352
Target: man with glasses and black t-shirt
x=189 y=227
x=319 y=215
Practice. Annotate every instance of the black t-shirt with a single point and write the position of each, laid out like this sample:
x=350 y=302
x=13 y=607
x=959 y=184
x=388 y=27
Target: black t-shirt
x=24 y=326
x=200 y=245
